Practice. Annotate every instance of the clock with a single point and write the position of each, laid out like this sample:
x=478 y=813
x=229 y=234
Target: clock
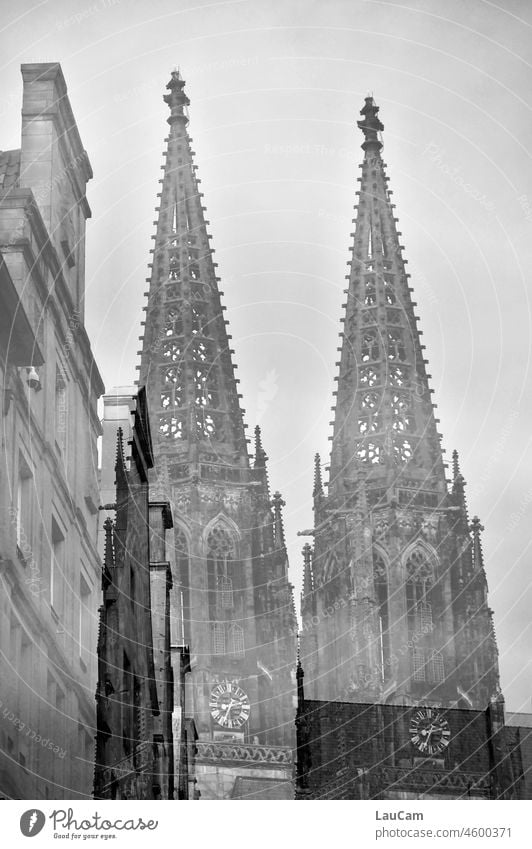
x=429 y=731
x=229 y=705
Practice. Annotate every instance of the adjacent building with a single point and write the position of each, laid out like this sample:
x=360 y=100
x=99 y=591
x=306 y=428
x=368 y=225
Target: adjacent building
x=50 y=384
x=135 y=694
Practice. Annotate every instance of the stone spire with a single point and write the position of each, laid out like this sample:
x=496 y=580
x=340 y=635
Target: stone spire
x=186 y=362
x=384 y=420
x=398 y=609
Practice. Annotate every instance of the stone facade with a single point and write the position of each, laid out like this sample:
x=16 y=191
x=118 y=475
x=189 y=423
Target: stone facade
x=135 y=751
x=234 y=606
x=50 y=568
x=394 y=606
x=365 y=751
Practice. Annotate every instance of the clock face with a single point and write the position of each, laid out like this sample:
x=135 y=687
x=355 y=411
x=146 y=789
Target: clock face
x=229 y=705
x=429 y=731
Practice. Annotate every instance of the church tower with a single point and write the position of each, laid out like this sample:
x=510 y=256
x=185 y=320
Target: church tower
x=395 y=597
x=232 y=602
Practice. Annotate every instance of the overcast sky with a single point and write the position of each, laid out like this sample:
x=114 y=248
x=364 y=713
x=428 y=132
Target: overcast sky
x=275 y=91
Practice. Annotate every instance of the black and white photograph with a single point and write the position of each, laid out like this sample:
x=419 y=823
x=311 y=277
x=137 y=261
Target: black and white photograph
x=266 y=419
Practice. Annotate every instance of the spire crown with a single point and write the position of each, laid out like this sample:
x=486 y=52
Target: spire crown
x=177 y=99
x=371 y=125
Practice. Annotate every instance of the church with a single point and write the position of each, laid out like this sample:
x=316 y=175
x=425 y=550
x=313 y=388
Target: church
x=169 y=563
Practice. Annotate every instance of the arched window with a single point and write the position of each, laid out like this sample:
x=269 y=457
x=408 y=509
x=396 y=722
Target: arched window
x=181 y=626
x=218 y=638
x=380 y=579
x=427 y=664
x=236 y=640
x=220 y=561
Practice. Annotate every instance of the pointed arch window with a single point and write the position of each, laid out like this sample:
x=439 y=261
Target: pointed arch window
x=369 y=452
x=370 y=293
x=395 y=345
x=225 y=593
x=181 y=625
x=172 y=351
x=173 y=325
x=218 y=638
x=236 y=640
x=369 y=376
x=418 y=664
x=397 y=376
x=199 y=318
x=174 y=268
x=389 y=293
x=174 y=391
x=370 y=346
x=380 y=579
x=220 y=563
x=172 y=427
x=427 y=663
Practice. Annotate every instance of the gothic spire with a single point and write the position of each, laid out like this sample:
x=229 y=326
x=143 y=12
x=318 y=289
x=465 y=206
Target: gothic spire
x=478 y=557
x=317 y=491
x=186 y=361
x=308 y=578
x=278 y=504
x=384 y=420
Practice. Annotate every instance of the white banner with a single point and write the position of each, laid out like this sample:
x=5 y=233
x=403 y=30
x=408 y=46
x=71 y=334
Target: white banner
x=312 y=825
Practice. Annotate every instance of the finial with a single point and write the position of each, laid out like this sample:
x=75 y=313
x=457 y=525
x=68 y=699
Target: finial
x=371 y=125
x=456 y=464
x=308 y=578
x=177 y=99
x=260 y=453
x=108 y=553
x=318 y=485
x=478 y=558
x=278 y=504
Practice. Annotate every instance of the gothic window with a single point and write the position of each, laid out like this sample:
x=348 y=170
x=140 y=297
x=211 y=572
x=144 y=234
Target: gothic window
x=397 y=376
x=393 y=316
x=368 y=376
x=369 y=316
x=220 y=562
x=369 y=425
x=236 y=640
x=225 y=593
x=218 y=638
x=199 y=319
x=174 y=267
x=370 y=293
x=436 y=669
x=418 y=664
x=396 y=348
x=389 y=294
x=172 y=351
x=403 y=450
x=370 y=242
x=402 y=417
x=208 y=425
x=173 y=325
x=206 y=394
x=370 y=401
x=183 y=580
x=172 y=427
x=369 y=452
x=370 y=346
x=173 y=394
x=200 y=351
x=380 y=579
